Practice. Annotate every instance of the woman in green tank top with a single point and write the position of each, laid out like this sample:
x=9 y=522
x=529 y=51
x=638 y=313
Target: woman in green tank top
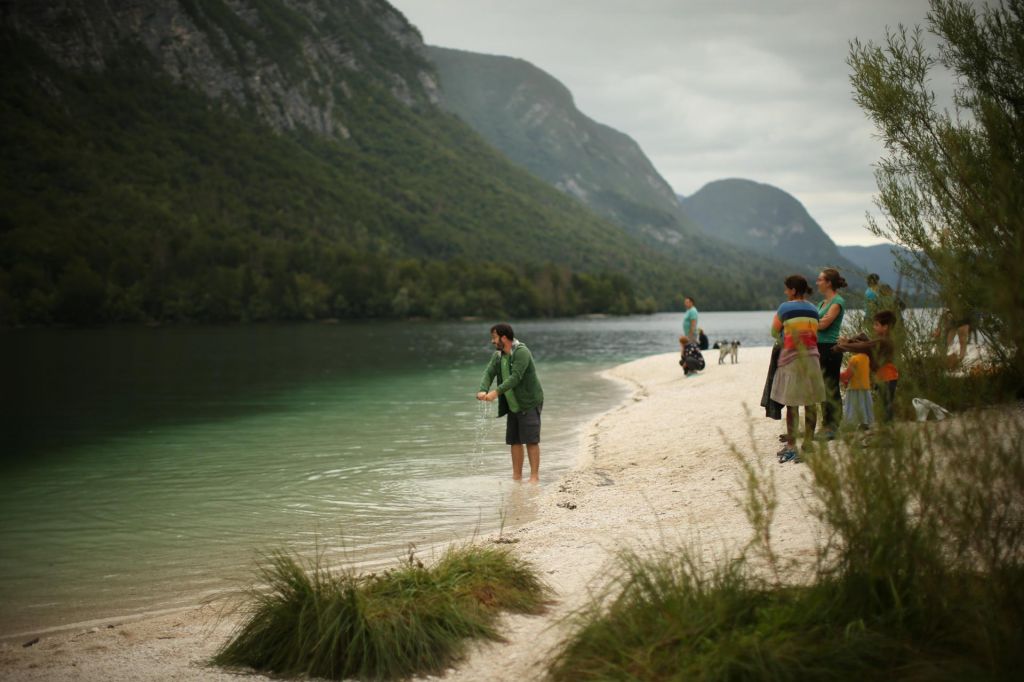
x=831 y=311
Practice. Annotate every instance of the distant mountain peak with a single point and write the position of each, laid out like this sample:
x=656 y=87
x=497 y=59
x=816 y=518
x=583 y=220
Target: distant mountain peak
x=763 y=218
x=532 y=118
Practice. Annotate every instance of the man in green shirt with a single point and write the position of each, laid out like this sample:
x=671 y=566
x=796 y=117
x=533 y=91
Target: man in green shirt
x=519 y=395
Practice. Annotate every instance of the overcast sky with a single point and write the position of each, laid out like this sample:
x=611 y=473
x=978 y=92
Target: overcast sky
x=710 y=89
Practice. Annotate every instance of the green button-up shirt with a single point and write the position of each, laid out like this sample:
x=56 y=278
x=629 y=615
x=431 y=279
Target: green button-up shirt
x=520 y=389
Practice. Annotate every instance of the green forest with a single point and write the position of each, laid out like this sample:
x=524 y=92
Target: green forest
x=125 y=197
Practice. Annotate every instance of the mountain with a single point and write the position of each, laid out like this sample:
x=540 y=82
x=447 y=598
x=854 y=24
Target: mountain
x=532 y=118
x=767 y=220
x=188 y=160
x=881 y=260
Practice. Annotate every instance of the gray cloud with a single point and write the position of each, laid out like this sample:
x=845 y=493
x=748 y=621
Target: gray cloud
x=757 y=89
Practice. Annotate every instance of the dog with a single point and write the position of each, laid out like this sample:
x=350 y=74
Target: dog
x=728 y=349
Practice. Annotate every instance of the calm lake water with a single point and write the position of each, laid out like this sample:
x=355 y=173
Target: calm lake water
x=145 y=468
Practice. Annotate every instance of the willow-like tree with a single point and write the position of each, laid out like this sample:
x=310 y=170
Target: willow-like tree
x=951 y=183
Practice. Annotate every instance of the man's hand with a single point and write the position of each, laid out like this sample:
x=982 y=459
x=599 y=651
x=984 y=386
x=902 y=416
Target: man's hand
x=481 y=396
x=493 y=395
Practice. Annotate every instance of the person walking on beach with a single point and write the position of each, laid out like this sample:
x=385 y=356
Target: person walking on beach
x=519 y=395
x=831 y=311
x=689 y=321
x=798 y=379
x=956 y=325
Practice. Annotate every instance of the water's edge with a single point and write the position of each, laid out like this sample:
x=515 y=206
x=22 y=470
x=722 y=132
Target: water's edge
x=519 y=510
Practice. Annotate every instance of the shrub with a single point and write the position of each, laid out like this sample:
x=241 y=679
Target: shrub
x=919 y=575
x=950 y=183
x=412 y=619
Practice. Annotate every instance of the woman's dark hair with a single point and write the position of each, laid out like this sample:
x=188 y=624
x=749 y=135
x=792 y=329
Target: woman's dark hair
x=798 y=283
x=835 y=280
x=505 y=330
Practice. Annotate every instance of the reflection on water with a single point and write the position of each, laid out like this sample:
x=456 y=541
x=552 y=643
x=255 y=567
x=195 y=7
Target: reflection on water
x=142 y=468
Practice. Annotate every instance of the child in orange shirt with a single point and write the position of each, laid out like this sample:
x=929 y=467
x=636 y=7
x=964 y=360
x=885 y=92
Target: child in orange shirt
x=882 y=353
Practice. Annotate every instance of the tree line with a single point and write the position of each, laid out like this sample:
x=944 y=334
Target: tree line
x=307 y=282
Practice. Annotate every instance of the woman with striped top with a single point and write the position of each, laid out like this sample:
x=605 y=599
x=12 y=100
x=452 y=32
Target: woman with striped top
x=798 y=380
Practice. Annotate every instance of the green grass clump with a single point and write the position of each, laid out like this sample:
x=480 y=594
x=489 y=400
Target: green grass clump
x=919 y=575
x=408 y=620
x=671 y=620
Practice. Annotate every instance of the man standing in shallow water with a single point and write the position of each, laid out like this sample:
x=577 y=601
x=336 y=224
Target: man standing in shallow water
x=519 y=395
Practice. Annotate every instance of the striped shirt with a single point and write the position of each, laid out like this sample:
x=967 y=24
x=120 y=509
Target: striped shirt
x=799 y=330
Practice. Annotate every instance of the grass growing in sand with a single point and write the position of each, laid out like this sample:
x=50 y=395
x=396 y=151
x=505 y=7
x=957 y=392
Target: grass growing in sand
x=306 y=620
x=919 y=574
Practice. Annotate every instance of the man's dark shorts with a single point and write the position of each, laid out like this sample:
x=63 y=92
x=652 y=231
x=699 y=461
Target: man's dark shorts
x=523 y=427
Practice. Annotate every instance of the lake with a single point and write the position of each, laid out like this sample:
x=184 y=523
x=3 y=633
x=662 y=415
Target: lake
x=143 y=469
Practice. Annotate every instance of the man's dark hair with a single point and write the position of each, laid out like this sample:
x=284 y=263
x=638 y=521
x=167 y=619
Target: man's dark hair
x=693 y=302
x=505 y=330
x=873 y=279
x=886 y=318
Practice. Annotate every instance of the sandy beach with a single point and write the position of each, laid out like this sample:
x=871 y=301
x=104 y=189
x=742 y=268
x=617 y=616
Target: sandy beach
x=657 y=471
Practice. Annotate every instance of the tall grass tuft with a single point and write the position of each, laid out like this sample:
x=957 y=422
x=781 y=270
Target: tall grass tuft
x=307 y=620
x=669 y=618
x=919 y=575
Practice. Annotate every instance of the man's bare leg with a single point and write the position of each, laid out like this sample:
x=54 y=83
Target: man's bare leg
x=533 y=452
x=517 y=462
x=961 y=334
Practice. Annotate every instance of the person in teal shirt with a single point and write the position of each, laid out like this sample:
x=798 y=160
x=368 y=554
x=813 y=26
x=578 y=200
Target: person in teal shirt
x=831 y=311
x=519 y=395
x=689 y=321
x=871 y=293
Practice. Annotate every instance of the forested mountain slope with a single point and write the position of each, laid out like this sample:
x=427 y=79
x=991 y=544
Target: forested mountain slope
x=273 y=159
x=879 y=259
x=532 y=118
